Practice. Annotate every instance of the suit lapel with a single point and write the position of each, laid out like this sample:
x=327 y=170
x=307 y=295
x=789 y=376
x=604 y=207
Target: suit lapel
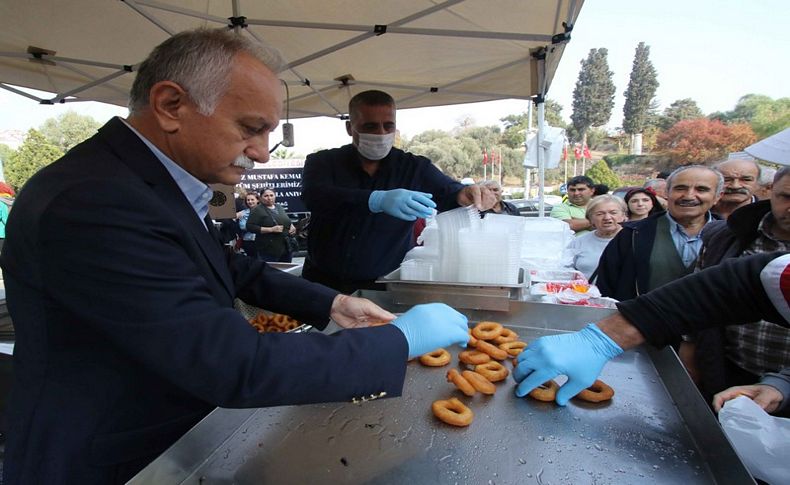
x=139 y=158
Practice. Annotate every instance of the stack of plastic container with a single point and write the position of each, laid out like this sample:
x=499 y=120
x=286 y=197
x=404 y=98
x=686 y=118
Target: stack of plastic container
x=450 y=224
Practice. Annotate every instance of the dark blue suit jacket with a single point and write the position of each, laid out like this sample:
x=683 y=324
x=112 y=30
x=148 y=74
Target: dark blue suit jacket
x=126 y=334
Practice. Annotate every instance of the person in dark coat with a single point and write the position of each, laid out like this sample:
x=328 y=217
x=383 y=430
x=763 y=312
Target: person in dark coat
x=726 y=357
x=122 y=296
x=654 y=251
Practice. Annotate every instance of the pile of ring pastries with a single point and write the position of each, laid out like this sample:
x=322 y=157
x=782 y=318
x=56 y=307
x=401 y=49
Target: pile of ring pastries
x=491 y=343
x=276 y=322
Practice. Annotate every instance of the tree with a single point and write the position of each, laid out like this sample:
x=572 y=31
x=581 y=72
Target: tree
x=702 y=140
x=516 y=125
x=283 y=153
x=679 y=110
x=593 y=96
x=35 y=153
x=5 y=152
x=765 y=115
x=69 y=129
x=600 y=173
x=639 y=95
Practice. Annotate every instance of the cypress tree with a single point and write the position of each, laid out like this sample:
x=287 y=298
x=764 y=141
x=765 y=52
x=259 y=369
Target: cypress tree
x=641 y=89
x=593 y=97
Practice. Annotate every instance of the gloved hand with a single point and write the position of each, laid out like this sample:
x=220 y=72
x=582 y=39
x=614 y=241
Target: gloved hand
x=580 y=356
x=401 y=203
x=431 y=326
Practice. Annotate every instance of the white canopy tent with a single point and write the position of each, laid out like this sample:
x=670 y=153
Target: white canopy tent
x=423 y=52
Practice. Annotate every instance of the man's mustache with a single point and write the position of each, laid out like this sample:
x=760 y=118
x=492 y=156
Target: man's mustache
x=737 y=191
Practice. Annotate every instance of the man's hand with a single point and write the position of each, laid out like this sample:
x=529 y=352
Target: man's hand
x=767 y=397
x=476 y=195
x=432 y=326
x=352 y=312
x=401 y=203
x=580 y=356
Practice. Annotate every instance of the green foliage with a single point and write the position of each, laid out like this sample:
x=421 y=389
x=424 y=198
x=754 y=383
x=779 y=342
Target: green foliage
x=593 y=96
x=600 y=173
x=5 y=152
x=516 y=125
x=765 y=115
x=595 y=136
x=616 y=160
x=283 y=153
x=679 y=110
x=35 y=153
x=641 y=89
x=69 y=129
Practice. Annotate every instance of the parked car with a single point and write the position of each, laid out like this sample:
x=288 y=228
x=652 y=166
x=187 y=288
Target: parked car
x=529 y=207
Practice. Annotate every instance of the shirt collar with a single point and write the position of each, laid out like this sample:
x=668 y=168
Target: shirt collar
x=674 y=226
x=197 y=193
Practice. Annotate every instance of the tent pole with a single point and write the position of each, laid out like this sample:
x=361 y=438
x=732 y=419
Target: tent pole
x=541 y=154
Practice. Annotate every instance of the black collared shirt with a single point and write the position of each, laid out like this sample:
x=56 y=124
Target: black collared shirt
x=347 y=242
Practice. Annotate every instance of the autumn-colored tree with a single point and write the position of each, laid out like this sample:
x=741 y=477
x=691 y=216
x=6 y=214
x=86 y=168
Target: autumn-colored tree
x=702 y=140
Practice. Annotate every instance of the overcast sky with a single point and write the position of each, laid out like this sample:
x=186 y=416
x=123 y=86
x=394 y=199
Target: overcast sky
x=713 y=51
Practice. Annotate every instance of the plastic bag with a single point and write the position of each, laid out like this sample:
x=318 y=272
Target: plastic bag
x=761 y=440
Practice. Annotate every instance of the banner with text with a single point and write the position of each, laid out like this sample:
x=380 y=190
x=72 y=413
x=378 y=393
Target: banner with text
x=283 y=176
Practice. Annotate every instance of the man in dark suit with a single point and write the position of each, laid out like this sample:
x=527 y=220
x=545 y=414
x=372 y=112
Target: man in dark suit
x=122 y=297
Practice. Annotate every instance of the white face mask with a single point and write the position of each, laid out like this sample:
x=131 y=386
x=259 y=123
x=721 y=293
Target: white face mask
x=375 y=147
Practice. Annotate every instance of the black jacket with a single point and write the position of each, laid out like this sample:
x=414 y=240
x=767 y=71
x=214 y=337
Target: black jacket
x=724 y=240
x=624 y=268
x=126 y=335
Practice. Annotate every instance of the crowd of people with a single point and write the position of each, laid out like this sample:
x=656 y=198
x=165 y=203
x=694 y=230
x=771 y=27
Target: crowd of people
x=697 y=218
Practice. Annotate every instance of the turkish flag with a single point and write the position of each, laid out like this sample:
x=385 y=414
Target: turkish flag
x=587 y=153
x=485 y=157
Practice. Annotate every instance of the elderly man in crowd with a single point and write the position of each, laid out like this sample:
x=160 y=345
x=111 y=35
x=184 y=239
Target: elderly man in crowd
x=765 y=183
x=740 y=183
x=365 y=196
x=654 y=251
x=573 y=211
x=739 y=355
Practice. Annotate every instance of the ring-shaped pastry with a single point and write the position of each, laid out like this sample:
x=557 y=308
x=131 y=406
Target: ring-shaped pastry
x=479 y=382
x=513 y=348
x=474 y=357
x=493 y=371
x=460 y=382
x=507 y=335
x=545 y=392
x=494 y=352
x=452 y=411
x=599 y=391
x=437 y=358
x=487 y=330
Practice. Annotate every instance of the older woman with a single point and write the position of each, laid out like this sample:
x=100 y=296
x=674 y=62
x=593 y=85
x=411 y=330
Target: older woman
x=605 y=214
x=642 y=202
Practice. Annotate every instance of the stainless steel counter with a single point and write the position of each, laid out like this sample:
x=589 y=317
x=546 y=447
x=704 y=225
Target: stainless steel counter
x=657 y=429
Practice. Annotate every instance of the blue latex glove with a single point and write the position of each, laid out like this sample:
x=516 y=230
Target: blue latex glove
x=401 y=203
x=431 y=326
x=580 y=356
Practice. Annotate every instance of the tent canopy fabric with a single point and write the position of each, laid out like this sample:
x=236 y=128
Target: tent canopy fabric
x=422 y=52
